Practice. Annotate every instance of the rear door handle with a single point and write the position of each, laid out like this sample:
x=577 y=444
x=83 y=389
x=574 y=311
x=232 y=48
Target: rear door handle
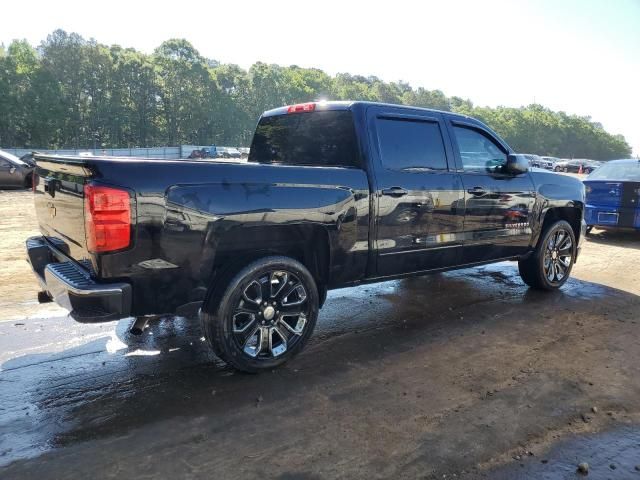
x=477 y=191
x=394 y=192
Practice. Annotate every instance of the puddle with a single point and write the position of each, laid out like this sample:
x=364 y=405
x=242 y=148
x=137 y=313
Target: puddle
x=610 y=455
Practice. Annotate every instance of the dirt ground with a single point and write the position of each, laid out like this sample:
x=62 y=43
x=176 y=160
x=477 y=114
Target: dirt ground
x=18 y=286
x=459 y=375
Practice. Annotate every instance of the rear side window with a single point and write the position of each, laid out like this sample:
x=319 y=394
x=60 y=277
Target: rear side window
x=410 y=144
x=322 y=139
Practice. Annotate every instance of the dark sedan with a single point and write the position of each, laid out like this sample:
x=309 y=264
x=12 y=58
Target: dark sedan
x=574 y=166
x=613 y=195
x=14 y=173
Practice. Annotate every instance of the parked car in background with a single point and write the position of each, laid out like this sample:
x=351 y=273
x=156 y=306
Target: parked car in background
x=534 y=160
x=613 y=195
x=574 y=166
x=540 y=162
x=215 y=152
x=14 y=173
x=201 y=153
x=244 y=152
x=233 y=153
x=595 y=164
x=548 y=162
x=222 y=152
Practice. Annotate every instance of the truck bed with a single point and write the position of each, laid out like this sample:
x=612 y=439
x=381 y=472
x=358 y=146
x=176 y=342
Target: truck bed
x=185 y=217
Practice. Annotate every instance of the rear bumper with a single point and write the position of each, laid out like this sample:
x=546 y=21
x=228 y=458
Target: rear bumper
x=612 y=216
x=71 y=286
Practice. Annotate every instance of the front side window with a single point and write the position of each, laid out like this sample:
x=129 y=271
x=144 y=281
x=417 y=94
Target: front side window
x=410 y=145
x=477 y=151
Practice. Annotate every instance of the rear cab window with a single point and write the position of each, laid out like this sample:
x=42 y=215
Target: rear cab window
x=320 y=138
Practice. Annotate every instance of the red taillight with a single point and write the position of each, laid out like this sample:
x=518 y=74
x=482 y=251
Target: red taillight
x=107 y=218
x=302 y=107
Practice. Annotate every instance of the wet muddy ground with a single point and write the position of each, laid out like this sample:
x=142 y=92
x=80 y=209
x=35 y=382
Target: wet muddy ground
x=466 y=374
x=612 y=454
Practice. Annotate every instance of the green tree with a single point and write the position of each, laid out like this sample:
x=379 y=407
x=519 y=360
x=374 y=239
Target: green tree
x=18 y=69
x=188 y=93
x=73 y=92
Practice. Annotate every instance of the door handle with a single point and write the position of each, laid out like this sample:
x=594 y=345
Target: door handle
x=394 y=192
x=477 y=191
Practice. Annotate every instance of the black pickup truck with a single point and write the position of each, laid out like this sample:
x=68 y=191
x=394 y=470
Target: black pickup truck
x=334 y=194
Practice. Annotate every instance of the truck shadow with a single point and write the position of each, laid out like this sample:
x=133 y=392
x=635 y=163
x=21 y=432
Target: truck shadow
x=116 y=382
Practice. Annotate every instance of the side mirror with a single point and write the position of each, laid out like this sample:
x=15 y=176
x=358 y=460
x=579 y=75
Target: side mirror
x=517 y=165
x=12 y=170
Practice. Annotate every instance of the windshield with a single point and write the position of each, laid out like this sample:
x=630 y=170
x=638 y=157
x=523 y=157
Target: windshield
x=318 y=139
x=624 y=171
x=12 y=158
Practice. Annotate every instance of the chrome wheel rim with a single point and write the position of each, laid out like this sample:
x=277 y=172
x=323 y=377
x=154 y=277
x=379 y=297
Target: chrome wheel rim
x=271 y=314
x=558 y=255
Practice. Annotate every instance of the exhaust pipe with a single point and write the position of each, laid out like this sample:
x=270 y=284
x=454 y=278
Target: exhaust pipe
x=139 y=325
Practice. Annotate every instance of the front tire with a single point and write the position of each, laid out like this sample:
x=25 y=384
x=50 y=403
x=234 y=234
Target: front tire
x=264 y=315
x=550 y=265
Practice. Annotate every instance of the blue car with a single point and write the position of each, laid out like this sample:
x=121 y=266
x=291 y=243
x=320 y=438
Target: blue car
x=613 y=195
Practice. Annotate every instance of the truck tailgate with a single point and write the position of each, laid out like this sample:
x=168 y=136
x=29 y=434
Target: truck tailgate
x=59 y=203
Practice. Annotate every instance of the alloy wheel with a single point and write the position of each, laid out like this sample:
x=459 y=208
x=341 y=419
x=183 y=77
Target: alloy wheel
x=271 y=315
x=558 y=255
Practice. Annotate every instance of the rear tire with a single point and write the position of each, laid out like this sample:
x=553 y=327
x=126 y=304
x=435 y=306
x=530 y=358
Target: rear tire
x=263 y=315
x=549 y=267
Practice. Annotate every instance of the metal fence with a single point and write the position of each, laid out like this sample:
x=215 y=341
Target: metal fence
x=167 y=153
x=154 y=152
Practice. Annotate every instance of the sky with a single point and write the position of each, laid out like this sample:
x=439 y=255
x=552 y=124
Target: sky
x=578 y=56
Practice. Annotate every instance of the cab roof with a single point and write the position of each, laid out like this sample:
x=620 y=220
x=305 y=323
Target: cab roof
x=324 y=105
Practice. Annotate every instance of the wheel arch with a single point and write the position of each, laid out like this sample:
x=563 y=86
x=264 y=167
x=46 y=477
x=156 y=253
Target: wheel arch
x=307 y=243
x=28 y=180
x=570 y=213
